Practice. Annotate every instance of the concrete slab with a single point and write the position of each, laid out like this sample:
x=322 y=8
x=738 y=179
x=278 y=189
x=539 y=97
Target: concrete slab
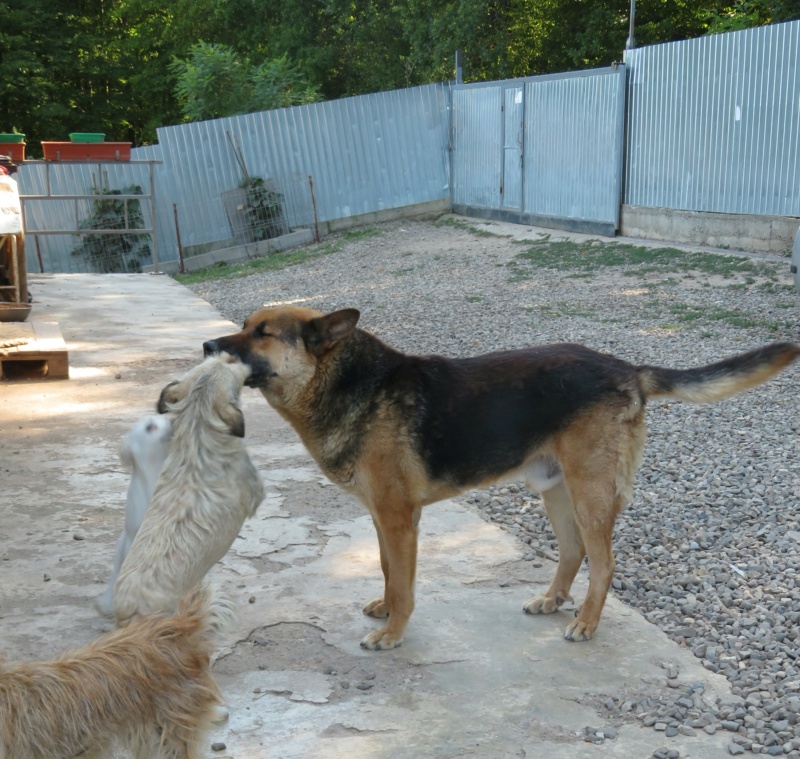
x=474 y=677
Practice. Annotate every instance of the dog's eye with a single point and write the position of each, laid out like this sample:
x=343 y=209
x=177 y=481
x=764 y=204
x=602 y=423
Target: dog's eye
x=262 y=331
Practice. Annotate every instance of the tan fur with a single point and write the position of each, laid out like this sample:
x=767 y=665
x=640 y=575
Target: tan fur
x=384 y=426
x=147 y=688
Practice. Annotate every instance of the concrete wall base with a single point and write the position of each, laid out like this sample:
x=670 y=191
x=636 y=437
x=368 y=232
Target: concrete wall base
x=758 y=234
x=210 y=253
x=430 y=208
x=237 y=253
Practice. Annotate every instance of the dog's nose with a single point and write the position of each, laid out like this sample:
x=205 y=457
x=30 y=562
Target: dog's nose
x=210 y=347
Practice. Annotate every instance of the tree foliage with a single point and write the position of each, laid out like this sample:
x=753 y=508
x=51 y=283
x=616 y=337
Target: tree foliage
x=215 y=81
x=108 y=65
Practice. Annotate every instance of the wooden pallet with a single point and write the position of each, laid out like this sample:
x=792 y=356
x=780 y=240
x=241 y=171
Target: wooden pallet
x=32 y=350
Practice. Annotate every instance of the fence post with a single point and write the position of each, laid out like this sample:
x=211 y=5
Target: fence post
x=153 y=226
x=178 y=235
x=314 y=206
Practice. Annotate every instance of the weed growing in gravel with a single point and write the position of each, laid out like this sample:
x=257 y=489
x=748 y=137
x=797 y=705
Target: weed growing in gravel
x=562 y=308
x=269 y=262
x=460 y=224
x=362 y=234
x=774 y=288
x=689 y=314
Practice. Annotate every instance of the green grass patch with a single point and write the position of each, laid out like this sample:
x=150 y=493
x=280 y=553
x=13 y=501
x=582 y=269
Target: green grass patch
x=460 y=224
x=366 y=233
x=270 y=262
x=567 y=255
x=775 y=288
x=687 y=315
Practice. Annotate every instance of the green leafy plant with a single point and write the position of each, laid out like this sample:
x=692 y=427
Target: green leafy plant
x=263 y=209
x=110 y=253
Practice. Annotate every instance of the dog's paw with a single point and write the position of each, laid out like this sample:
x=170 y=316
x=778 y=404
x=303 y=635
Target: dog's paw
x=104 y=603
x=377 y=608
x=381 y=640
x=545 y=604
x=577 y=631
x=219 y=714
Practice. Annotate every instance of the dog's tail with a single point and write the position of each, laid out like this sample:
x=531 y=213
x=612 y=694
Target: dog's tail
x=210 y=610
x=720 y=380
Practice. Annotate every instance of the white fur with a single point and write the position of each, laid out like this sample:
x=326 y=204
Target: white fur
x=144 y=449
x=542 y=473
x=208 y=487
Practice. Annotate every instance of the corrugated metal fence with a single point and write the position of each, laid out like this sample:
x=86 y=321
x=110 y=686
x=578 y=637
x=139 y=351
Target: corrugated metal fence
x=543 y=150
x=714 y=123
x=362 y=154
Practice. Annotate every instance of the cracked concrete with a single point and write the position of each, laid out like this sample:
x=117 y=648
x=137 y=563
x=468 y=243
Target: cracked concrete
x=475 y=676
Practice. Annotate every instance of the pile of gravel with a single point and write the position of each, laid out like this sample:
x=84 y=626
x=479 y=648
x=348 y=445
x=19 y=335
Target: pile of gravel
x=710 y=549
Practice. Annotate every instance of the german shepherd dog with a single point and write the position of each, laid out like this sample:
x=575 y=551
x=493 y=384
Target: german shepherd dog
x=401 y=432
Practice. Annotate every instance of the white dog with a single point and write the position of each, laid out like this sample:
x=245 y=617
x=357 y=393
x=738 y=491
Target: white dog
x=144 y=449
x=208 y=487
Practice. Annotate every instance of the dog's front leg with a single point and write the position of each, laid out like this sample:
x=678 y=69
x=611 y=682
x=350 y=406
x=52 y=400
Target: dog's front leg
x=397 y=537
x=379 y=607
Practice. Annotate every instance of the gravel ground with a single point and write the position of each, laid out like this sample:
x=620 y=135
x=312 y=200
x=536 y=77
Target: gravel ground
x=710 y=549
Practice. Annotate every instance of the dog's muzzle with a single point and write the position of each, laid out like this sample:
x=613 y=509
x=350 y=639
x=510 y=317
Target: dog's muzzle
x=260 y=373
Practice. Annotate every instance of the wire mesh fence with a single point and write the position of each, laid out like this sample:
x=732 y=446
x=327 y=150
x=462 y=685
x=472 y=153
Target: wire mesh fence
x=113 y=230
x=251 y=220
x=88 y=216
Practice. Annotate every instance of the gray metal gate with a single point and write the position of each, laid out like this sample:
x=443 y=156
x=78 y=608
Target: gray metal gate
x=513 y=124
x=542 y=150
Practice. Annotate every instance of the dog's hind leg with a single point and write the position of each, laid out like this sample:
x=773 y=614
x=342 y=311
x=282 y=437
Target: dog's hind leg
x=601 y=573
x=561 y=513
x=397 y=536
x=596 y=505
x=599 y=458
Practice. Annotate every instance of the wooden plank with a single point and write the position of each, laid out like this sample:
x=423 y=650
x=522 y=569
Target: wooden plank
x=48 y=338
x=44 y=354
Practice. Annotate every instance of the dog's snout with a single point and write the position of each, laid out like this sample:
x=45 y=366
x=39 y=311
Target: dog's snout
x=210 y=347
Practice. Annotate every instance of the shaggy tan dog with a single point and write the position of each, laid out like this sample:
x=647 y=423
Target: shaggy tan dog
x=206 y=490
x=147 y=688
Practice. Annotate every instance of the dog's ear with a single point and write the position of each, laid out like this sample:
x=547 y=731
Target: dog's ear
x=323 y=332
x=170 y=394
x=233 y=417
